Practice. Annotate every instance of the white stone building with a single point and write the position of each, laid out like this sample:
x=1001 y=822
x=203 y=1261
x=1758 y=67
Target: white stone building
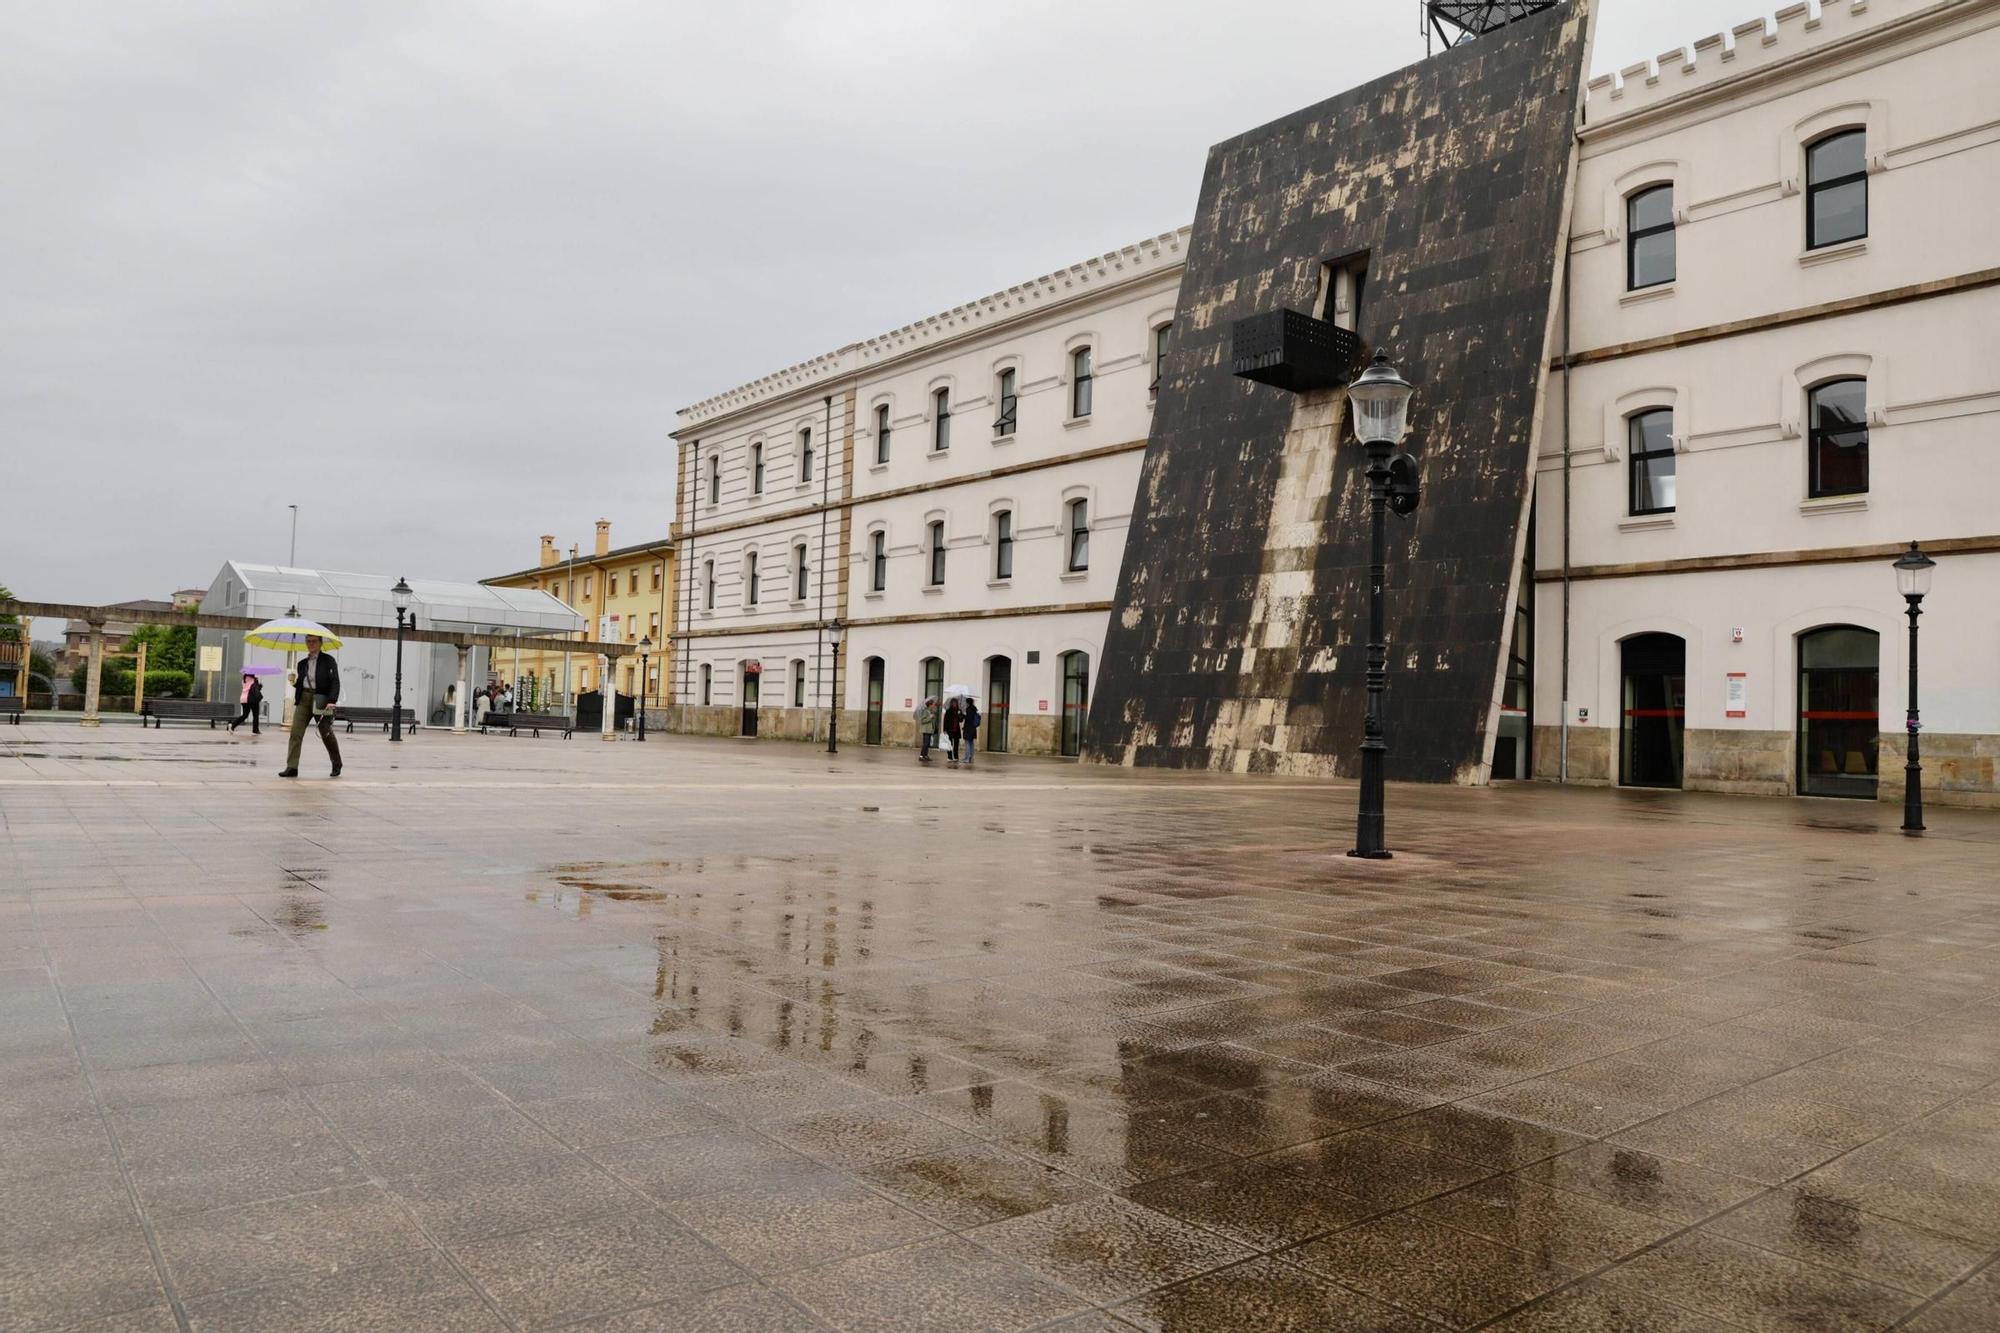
x=967 y=525
x=1783 y=279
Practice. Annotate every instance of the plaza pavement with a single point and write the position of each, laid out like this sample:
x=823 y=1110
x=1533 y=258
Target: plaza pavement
x=705 y=1034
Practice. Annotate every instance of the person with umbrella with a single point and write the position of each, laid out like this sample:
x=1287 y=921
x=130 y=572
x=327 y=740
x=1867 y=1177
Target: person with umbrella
x=954 y=718
x=252 y=699
x=315 y=686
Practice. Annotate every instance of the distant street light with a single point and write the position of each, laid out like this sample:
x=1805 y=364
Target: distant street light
x=1913 y=579
x=835 y=632
x=645 y=646
x=400 y=594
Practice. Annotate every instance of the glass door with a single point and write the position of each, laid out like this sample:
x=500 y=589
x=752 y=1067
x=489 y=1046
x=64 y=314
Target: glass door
x=1654 y=726
x=999 y=693
x=750 y=679
x=1075 y=700
x=874 y=701
x=1839 y=722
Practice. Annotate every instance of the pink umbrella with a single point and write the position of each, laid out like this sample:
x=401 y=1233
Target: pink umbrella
x=263 y=669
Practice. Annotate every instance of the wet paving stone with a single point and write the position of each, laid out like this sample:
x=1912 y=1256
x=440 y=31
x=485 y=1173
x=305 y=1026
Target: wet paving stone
x=1148 y=1052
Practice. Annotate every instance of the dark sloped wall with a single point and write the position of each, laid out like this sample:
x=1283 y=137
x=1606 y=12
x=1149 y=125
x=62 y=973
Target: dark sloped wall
x=1238 y=635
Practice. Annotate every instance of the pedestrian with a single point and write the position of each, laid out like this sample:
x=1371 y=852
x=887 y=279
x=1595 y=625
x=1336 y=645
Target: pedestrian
x=481 y=702
x=315 y=691
x=971 y=728
x=927 y=721
x=252 y=699
x=506 y=701
x=954 y=718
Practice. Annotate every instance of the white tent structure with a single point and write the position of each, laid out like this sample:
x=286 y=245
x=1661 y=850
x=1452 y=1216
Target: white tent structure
x=367 y=666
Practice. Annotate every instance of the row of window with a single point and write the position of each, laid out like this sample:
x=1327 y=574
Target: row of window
x=1836 y=448
x=555 y=585
x=1836 y=209
x=799 y=576
x=1000 y=537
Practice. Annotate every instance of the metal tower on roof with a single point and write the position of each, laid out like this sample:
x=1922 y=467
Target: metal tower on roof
x=1453 y=21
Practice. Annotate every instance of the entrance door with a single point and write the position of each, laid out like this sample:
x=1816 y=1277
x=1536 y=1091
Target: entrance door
x=875 y=670
x=1655 y=721
x=750 y=679
x=1075 y=700
x=1839 y=724
x=999 y=693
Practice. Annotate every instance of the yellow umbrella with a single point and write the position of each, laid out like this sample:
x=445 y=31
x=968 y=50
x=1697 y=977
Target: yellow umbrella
x=288 y=634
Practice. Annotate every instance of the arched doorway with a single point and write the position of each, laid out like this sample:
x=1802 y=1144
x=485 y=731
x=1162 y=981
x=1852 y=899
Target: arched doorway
x=999 y=697
x=1654 y=723
x=1075 y=700
x=875 y=669
x=1839 y=721
x=753 y=672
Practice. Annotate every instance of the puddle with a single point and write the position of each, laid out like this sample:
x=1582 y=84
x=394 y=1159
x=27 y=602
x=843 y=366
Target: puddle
x=123 y=758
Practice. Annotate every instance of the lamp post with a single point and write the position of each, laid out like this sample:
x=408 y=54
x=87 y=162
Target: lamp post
x=400 y=594
x=1381 y=406
x=645 y=646
x=1913 y=579
x=835 y=631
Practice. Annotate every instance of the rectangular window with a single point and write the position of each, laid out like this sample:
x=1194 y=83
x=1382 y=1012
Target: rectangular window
x=708 y=576
x=882 y=433
x=1003 y=544
x=878 y=561
x=750 y=577
x=714 y=480
x=756 y=469
x=798 y=682
x=1079 y=382
x=937 y=553
x=632 y=582
x=941 y=420
x=1650 y=443
x=707 y=677
x=1003 y=425
x=1342 y=285
x=805 y=455
x=1837 y=189
x=656 y=578
x=1649 y=239
x=586 y=587
x=653 y=627
x=1839 y=438
x=1160 y=355
x=798 y=573
x=1079 y=535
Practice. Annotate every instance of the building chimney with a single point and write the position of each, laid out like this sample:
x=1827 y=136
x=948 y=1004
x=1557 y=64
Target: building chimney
x=603 y=536
x=549 y=556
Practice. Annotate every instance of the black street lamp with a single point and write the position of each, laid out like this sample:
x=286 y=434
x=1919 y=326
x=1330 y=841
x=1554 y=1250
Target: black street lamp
x=401 y=594
x=835 y=631
x=1381 y=405
x=1913 y=577
x=645 y=646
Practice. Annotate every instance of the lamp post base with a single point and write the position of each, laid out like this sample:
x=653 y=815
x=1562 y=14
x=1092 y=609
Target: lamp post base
x=1360 y=855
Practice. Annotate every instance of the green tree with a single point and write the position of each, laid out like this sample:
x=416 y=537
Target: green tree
x=10 y=624
x=168 y=647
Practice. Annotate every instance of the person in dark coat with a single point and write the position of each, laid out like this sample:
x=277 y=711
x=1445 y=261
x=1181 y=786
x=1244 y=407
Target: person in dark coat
x=315 y=690
x=954 y=720
x=970 y=727
x=252 y=699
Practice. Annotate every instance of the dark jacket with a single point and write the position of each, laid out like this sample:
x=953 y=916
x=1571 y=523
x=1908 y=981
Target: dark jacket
x=952 y=718
x=256 y=692
x=327 y=682
x=971 y=723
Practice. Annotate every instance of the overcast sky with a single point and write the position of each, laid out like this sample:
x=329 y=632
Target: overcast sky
x=440 y=271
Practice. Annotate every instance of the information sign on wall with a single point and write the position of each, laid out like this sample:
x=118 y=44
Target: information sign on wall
x=1736 y=695
x=211 y=657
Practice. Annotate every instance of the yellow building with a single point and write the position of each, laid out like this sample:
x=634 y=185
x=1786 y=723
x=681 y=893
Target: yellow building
x=624 y=595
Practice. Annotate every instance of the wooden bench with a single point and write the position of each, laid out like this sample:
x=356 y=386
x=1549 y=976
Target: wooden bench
x=13 y=705
x=516 y=723
x=187 y=710
x=373 y=716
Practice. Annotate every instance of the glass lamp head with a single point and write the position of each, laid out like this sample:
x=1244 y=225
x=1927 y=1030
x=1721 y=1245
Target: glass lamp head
x=401 y=594
x=1913 y=572
x=1380 y=399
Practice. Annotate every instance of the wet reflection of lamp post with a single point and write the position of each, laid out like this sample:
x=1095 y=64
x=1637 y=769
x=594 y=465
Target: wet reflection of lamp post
x=400 y=594
x=1381 y=403
x=834 y=633
x=645 y=646
x=1913 y=578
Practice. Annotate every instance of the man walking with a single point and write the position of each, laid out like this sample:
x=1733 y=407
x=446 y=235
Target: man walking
x=315 y=690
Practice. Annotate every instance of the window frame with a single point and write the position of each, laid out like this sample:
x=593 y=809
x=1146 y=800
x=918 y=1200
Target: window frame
x=805 y=448
x=798 y=571
x=750 y=578
x=878 y=561
x=882 y=432
x=1816 y=435
x=714 y=480
x=708 y=584
x=1079 y=535
x=1815 y=188
x=941 y=420
x=1003 y=545
x=757 y=467
x=707 y=684
x=1161 y=332
x=1636 y=457
x=1008 y=421
x=1634 y=234
x=798 y=682
x=1082 y=382
x=935 y=530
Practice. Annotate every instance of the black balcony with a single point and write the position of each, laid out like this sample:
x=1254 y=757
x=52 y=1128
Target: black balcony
x=1289 y=350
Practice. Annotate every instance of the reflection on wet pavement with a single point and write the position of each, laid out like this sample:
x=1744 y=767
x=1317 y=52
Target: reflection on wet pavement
x=699 y=1035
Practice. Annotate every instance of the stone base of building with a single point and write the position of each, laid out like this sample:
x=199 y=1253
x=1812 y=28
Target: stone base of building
x=1030 y=735
x=1961 y=770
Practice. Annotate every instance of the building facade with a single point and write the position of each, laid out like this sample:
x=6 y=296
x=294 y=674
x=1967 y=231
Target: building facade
x=1778 y=375
x=967 y=527
x=623 y=594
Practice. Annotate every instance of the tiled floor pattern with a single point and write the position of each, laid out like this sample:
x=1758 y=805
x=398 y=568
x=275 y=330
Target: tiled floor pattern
x=712 y=1035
